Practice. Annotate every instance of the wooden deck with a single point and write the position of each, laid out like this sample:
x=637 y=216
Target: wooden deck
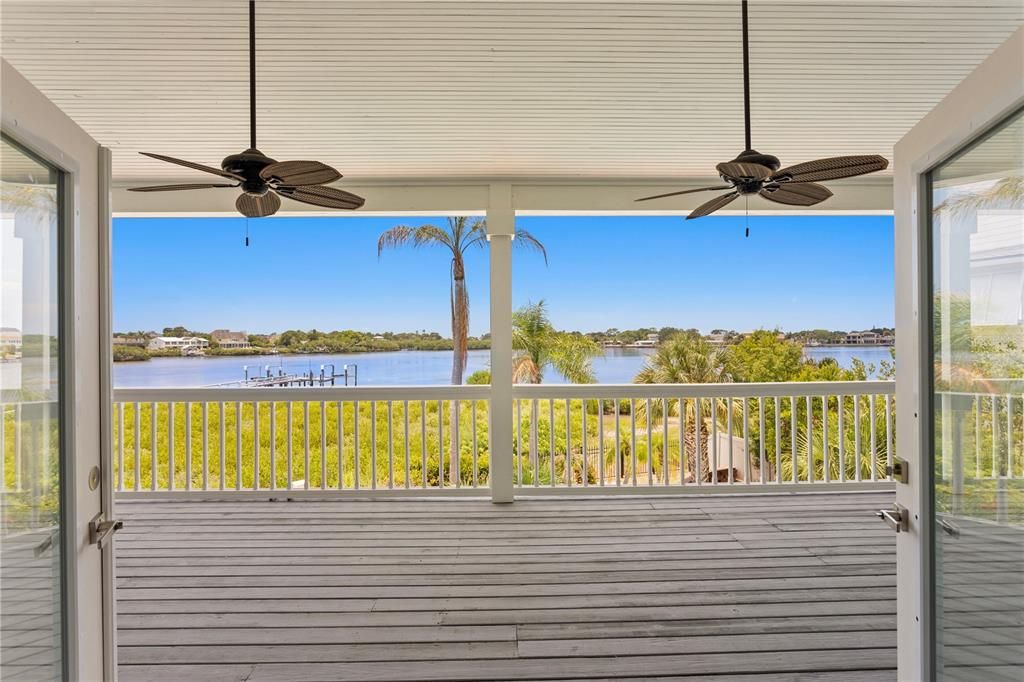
x=725 y=588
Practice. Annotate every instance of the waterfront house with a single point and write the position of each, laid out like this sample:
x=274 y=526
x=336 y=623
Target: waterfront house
x=182 y=343
x=866 y=531
x=229 y=339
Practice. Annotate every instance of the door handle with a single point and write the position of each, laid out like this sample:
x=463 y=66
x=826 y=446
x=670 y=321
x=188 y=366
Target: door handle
x=897 y=518
x=101 y=530
x=949 y=529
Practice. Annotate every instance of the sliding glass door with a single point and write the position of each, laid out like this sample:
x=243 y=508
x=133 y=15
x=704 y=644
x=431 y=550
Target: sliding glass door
x=977 y=360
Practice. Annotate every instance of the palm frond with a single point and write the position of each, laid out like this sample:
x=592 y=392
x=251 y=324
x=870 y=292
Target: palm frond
x=526 y=241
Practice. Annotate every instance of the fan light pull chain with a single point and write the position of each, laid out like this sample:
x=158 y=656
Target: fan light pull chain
x=746 y=215
x=247 y=231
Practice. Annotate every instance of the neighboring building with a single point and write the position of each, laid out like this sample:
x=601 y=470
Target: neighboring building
x=122 y=340
x=180 y=342
x=10 y=338
x=650 y=342
x=862 y=338
x=230 y=339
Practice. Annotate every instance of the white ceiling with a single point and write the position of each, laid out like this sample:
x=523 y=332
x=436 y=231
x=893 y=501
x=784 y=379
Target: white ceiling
x=500 y=89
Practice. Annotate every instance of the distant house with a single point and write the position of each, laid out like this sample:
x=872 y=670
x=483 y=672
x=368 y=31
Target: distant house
x=650 y=342
x=862 y=338
x=180 y=342
x=10 y=338
x=229 y=339
x=125 y=340
x=717 y=338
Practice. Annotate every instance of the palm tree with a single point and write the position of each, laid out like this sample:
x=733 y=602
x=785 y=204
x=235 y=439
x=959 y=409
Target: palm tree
x=460 y=235
x=538 y=346
x=689 y=359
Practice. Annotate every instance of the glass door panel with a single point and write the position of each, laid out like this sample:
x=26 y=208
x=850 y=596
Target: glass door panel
x=977 y=278
x=31 y=564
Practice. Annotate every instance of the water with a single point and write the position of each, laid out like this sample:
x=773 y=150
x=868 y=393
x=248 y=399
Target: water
x=403 y=368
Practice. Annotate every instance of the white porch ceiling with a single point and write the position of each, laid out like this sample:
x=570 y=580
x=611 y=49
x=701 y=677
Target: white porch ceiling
x=398 y=90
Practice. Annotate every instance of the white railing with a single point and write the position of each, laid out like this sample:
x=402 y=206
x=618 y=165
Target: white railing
x=289 y=439
x=703 y=435
x=391 y=439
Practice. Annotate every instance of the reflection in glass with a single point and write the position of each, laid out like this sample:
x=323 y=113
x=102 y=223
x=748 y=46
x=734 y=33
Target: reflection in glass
x=30 y=520
x=978 y=358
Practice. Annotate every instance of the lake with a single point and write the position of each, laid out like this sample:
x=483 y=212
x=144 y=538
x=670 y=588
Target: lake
x=402 y=368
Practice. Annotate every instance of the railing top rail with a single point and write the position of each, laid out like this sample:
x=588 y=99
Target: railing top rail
x=308 y=393
x=734 y=390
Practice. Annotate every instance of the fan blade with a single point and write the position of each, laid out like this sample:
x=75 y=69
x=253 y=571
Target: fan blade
x=831 y=168
x=318 y=195
x=171 y=188
x=303 y=173
x=712 y=206
x=743 y=171
x=197 y=166
x=253 y=206
x=685 y=191
x=796 y=193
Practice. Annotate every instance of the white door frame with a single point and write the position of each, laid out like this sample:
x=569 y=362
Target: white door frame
x=983 y=99
x=38 y=125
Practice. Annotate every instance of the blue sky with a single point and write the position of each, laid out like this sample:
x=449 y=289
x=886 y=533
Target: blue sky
x=834 y=272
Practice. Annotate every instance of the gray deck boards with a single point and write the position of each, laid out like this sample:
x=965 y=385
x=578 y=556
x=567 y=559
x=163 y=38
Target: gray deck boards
x=780 y=587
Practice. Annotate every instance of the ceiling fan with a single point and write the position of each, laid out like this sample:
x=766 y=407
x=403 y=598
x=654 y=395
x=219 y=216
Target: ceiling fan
x=261 y=178
x=754 y=173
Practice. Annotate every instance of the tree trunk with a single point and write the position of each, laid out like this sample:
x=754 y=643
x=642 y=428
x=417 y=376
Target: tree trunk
x=460 y=333
x=690 y=443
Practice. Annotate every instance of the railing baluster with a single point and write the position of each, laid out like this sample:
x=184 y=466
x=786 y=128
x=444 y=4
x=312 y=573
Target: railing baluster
x=405 y=418
x=792 y=438
x=153 y=445
x=322 y=457
x=306 y=478
x=423 y=442
x=206 y=446
x=391 y=448
x=355 y=444
x=761 y=438
x=456 y=449
x=824 y=440
x=995 y=437
x=476 y=467
x=273 y=445
x=188 y=446
x=650 y=447
x=136 y=433
x=682 y=441
x=119 y=408
x=223 y=442
x=810 y=440
x=568 y=445
x=255 y=445
x=856 y=436
x=551 y=432
x=977 y=436
x=341 y=444
x=713 y=459
x=888 y=435
x=238 y=446
x=872 y=432
x=323 y=445
x=729 y=409
x=664 y=441
x=632 y=441
x=698 y=455
x=600 y=442
x=586 y=442
x=778 y=441
x=290 y=435
x=170 y=446
x=618 y=447
x=1009 y=436
x=841 y=436
x=519 y=442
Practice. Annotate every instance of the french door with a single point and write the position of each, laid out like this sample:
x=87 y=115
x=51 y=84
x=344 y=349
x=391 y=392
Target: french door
x=959 y=204
x=56 y=578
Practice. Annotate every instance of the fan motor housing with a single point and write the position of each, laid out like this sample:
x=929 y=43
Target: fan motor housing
x=754 y=156
x=248 y=164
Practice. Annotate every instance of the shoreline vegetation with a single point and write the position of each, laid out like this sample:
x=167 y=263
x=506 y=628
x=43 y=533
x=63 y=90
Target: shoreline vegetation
x=313 y=341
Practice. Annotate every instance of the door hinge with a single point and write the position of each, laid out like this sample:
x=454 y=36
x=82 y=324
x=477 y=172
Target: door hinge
x=101 y=530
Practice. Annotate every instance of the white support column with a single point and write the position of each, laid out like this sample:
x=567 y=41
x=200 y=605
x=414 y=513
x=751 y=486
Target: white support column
x=501 y=227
